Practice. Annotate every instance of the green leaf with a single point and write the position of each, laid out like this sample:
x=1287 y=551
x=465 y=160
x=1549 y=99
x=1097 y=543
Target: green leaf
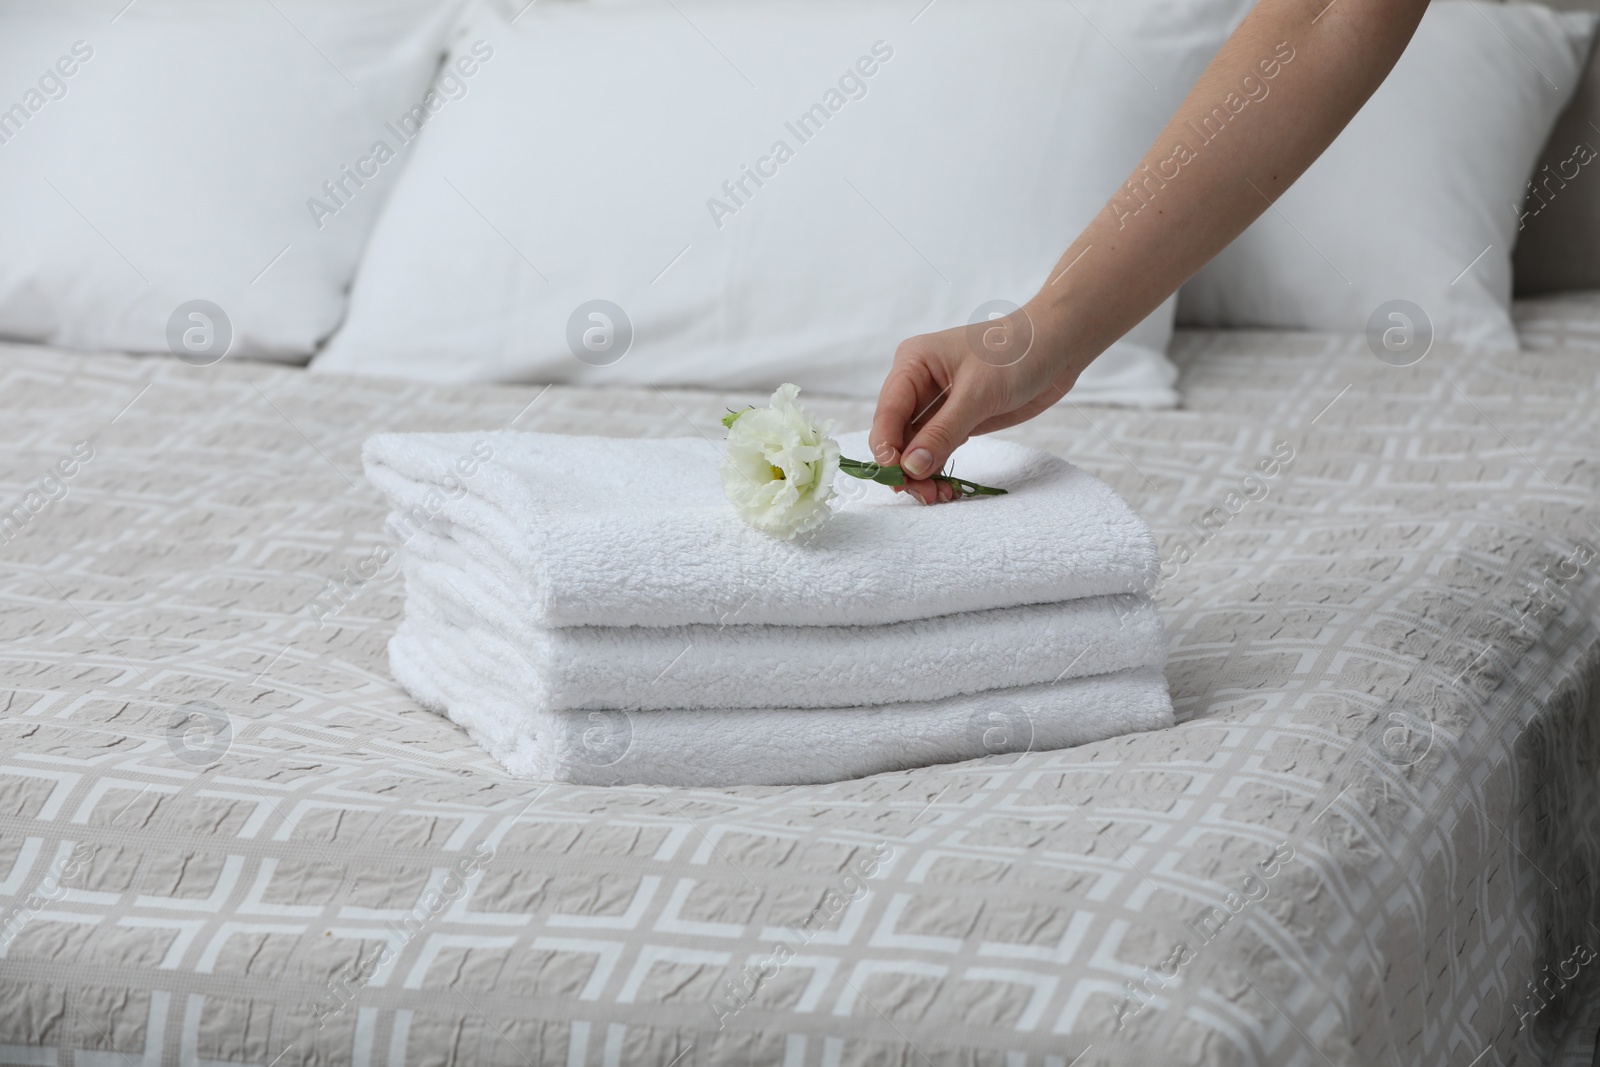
x=872 y=472
x=889 y=476
x=893 y=475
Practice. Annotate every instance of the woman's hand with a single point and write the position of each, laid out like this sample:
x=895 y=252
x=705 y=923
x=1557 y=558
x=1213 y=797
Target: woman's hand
x=946 y=387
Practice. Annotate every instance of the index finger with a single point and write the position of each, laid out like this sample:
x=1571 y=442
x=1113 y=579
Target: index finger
x=897 y=402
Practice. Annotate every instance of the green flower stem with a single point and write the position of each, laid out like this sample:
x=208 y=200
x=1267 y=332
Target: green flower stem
x=888 y=475
x=893 y=475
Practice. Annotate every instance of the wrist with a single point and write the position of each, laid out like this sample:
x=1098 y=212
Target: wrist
x=1059 y=336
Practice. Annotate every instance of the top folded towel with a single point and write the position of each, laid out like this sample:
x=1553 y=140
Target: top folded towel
x=598 y=531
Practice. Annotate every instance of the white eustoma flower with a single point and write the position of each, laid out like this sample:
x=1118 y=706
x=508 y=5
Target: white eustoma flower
x=779 y=467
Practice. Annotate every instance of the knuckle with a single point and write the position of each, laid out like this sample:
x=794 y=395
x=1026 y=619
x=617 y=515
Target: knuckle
x=989 y=394
x=908 y=350
x=938 y=437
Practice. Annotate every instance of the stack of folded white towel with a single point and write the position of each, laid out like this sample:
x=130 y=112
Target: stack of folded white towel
x=592 y=610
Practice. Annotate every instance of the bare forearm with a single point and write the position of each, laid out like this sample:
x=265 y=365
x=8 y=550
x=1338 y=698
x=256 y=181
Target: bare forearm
x=1277 y=94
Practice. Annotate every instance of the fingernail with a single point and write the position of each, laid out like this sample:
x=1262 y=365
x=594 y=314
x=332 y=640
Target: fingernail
x=919 y=463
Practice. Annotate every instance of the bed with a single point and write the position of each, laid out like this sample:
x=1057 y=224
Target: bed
x=1374 y=827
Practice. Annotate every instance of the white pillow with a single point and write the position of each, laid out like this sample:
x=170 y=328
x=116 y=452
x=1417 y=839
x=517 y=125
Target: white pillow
x=953 y=156
x=164 y=152
x=1418 y=199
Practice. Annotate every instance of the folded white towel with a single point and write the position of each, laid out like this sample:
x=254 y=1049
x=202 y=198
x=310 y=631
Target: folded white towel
x=612 y=532
x=650 y=667
x=473 y=678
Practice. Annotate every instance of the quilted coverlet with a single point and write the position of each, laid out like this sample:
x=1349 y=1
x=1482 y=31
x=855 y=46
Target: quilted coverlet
x=227 y=837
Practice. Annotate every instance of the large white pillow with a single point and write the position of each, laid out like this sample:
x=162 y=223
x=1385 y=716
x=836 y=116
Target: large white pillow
x=952 y=156
x=164 y=152
x=1418 y=198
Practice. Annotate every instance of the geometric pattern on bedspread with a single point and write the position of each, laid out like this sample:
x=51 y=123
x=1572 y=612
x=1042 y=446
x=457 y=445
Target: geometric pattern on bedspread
x=1375 y=823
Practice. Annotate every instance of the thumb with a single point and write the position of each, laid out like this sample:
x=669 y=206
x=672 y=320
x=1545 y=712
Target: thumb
x=930 y=448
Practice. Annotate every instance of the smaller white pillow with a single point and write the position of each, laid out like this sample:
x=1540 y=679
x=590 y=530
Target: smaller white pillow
x=767 y=192
x=160 y=163
x=1418 y=199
